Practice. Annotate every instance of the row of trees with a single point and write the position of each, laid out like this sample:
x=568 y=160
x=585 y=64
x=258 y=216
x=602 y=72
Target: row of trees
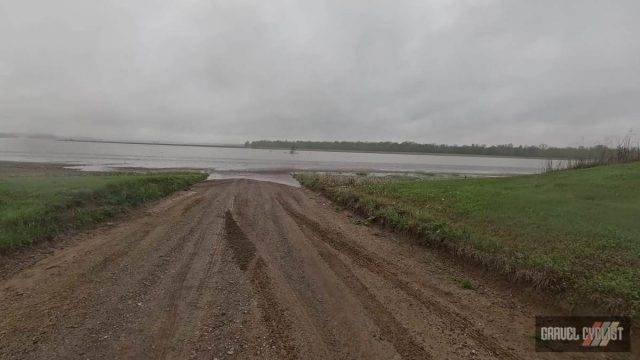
x=542 y=151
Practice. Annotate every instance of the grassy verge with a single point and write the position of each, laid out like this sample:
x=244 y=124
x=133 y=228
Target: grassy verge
x=35 y=208
x=576 y=232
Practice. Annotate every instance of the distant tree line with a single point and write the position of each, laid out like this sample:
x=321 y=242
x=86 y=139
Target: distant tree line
x=542 y=151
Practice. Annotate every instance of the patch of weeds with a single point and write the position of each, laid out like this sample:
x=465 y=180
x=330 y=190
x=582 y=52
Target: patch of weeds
x=362 y=221
x=464 y=283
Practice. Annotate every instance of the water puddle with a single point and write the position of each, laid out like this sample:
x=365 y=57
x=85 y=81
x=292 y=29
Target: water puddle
x=280 y=177
x=275 y=177
x=100 y=168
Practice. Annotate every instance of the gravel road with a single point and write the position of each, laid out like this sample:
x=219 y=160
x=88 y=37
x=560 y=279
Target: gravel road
x=246 y=269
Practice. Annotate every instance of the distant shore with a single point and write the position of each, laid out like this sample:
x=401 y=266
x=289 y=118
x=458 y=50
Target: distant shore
x=152 y=143
x=405 y=153
x=241 y=146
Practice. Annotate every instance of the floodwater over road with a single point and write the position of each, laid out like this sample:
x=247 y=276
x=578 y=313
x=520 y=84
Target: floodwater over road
x=108 y=155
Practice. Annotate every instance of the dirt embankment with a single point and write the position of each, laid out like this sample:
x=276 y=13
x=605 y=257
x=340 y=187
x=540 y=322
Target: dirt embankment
x=244 y=269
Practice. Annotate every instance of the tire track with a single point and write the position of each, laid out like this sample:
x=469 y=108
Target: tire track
x=132 y=242
x=380 y=267
x=242 y=248
x=400 y=337
x=199 y=229
x=158 y=255
x=275 y=319
x=299 y=281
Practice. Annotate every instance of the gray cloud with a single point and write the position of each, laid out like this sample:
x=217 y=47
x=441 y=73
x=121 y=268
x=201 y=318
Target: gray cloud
x=558 y=72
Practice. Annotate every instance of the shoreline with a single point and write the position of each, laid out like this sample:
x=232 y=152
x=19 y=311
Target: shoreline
x=74 y=167
x=284 y=176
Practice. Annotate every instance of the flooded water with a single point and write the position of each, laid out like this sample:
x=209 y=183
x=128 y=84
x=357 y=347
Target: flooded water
x=91 y=156
x=280 y=177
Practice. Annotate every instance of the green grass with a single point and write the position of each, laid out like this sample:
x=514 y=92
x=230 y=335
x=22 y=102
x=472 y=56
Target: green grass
x=465 y=284
x=38 y=208
x=576 y=232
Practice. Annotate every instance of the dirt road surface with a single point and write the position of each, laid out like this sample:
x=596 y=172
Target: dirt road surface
x=250 y=270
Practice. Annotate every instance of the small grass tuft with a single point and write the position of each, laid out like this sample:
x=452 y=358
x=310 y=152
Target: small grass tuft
x=466 y=284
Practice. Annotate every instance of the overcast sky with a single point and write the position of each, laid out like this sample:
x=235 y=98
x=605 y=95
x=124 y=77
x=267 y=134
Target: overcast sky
x=525 y=72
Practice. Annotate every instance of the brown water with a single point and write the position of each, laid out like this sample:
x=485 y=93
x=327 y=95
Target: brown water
x=102 y=156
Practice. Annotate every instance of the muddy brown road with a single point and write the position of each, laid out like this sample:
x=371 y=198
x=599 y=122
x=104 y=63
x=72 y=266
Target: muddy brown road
x=244 y=269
